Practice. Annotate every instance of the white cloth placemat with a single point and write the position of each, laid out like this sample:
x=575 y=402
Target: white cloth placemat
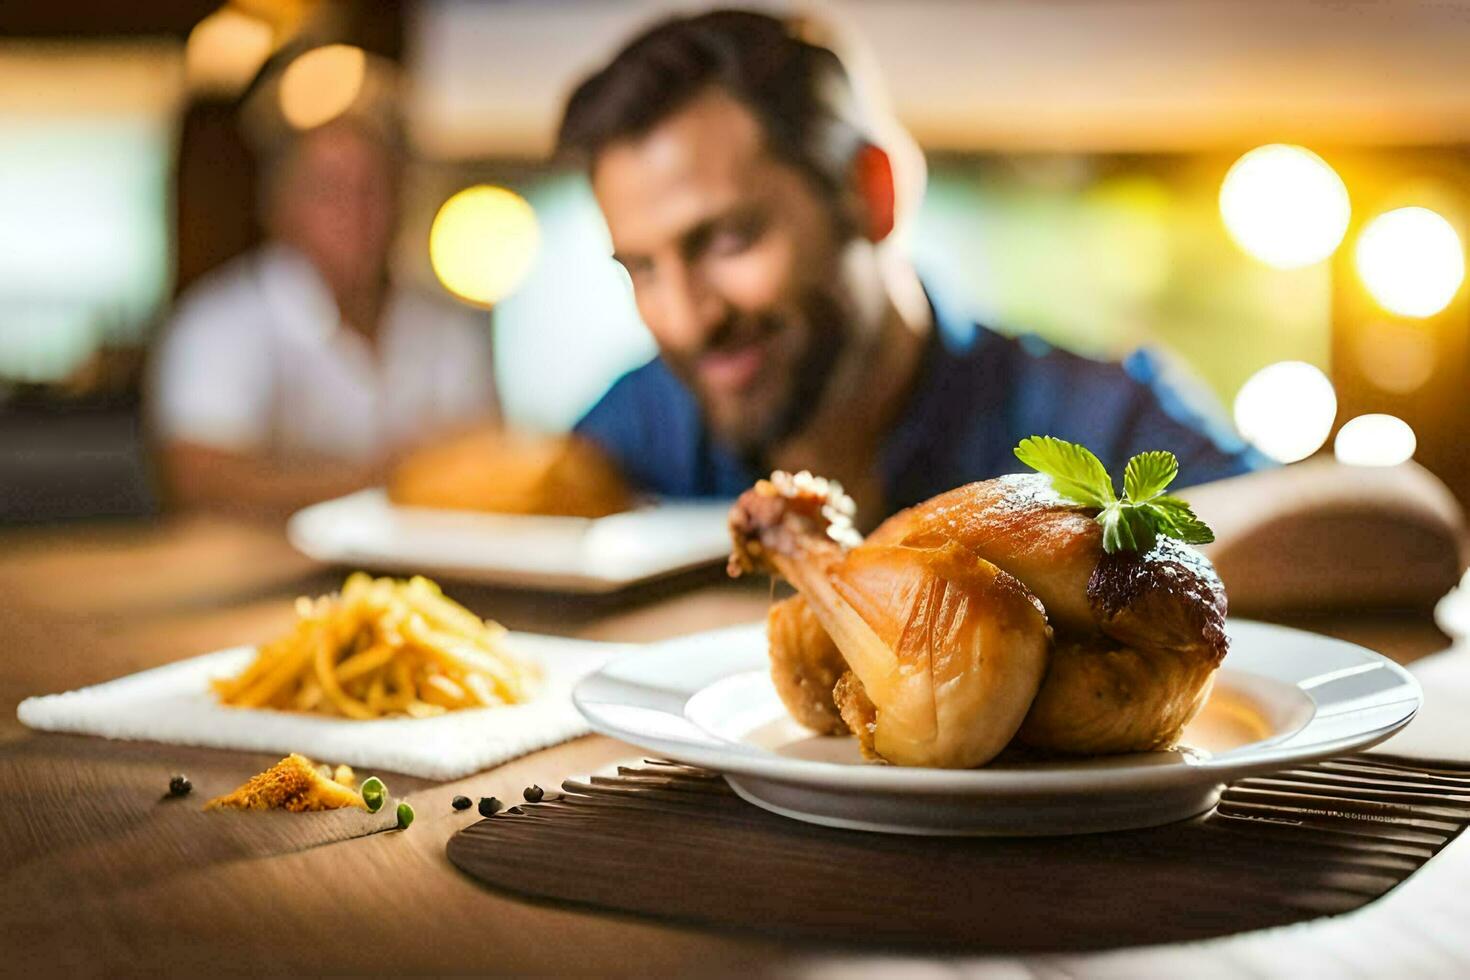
x=173 y=704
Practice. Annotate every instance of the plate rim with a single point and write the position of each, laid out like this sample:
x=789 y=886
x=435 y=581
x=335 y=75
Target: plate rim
x=729 y=757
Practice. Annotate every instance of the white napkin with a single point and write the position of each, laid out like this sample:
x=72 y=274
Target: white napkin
x=173 y=704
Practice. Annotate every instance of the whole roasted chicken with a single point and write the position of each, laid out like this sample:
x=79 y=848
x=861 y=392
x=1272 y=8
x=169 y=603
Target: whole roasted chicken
x=986 y=615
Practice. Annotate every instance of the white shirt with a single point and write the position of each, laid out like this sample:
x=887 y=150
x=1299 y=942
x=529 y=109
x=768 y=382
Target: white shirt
x=257 y=360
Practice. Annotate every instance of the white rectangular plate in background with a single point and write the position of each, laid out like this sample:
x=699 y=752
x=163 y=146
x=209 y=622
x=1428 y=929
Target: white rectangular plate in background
x=573 y=554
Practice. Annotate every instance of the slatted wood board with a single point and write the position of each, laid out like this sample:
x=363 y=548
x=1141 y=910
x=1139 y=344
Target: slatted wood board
x=674 y=842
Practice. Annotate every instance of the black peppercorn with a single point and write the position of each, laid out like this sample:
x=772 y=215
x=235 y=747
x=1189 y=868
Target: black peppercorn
x=489 y=806
x=534 y=794
x=180 y=786
x=461 y=803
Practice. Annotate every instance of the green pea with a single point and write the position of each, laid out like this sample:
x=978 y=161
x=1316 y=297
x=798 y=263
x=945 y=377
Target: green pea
x=405 y=816
x=374 y=793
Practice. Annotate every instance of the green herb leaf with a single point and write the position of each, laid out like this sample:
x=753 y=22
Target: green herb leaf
x=1133 y=522
x=1145 y=532
x=1126 y=527
x=1075 y=472
x=1148 y=474
x=1176 y=519
x=1116 y=535
x=374 y=793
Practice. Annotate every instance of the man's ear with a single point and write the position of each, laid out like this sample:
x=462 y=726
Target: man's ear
x=872 y=181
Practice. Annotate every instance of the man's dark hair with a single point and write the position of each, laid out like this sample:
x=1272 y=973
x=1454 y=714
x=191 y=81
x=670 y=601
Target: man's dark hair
x=798 y=90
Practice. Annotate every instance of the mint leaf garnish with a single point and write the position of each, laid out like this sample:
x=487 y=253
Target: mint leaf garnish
x=1147 y=474
x=1133 y=522
x=1177 y=520
x=1075 y=472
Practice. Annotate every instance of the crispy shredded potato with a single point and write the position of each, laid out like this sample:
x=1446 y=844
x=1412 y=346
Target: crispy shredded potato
x=383 y=647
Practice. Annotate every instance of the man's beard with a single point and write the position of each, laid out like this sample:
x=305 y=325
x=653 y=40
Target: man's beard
x=827 y=337
x=826 y=325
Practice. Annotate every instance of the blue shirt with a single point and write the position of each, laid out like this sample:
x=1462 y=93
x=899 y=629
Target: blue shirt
x=977 y=394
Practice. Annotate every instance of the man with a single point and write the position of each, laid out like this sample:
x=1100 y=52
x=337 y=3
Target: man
x=293 y=373
x=753 y=211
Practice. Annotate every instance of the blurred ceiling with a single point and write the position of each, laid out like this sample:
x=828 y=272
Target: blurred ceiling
x=102 y=18
x=1011 y=75
x=374 y=25
x=1005 y=75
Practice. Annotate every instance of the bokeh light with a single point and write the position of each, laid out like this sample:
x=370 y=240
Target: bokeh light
x=225 y=50
x=321 y=84
x=1375 y=440
x=1411 y=260
x=1286 y=410
x=483 y=242
x=1285 y=205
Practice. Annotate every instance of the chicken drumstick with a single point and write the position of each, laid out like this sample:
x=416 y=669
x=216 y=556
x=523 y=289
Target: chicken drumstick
x=946 y=651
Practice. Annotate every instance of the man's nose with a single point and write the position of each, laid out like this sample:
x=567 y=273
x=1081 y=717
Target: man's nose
x=692 y=310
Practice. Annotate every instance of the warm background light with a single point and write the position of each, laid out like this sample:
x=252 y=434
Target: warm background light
x=1411 y=261
x=1375 y=440
x=1284 y=205
x=1286 y=410
x=225 y=50
x=1395 y=355
x=483 y=242
x=322 y=84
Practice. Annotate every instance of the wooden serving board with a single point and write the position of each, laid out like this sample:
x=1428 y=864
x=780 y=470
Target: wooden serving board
x=674 y=842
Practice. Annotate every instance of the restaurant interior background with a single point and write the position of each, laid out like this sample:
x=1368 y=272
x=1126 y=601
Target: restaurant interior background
x=1276 y=191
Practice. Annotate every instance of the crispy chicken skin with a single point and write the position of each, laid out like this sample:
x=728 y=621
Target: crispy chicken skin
x=1018 y=523
x=805 y=666
x=948 y=649
x=1136 y=641
x=1101 y=698
x=858 y=713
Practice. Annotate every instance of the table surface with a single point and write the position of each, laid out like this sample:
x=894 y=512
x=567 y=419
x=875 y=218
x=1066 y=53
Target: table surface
x=80 y=889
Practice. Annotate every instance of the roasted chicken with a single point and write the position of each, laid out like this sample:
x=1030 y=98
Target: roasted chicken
x=948 y=649
x=985 y=615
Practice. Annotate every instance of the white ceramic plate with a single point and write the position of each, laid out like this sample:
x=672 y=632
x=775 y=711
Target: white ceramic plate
x=572 y=554
x=1452 y=612
x=1283 y=697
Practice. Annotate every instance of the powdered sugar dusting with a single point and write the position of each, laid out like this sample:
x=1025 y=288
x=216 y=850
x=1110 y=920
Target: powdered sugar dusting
x=1028 y=491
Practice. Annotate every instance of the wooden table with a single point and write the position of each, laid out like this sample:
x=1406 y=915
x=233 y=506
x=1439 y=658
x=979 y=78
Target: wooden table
x=80 y=890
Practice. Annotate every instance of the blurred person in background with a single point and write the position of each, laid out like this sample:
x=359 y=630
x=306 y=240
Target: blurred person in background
x=752 y=191
x=298 y=371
